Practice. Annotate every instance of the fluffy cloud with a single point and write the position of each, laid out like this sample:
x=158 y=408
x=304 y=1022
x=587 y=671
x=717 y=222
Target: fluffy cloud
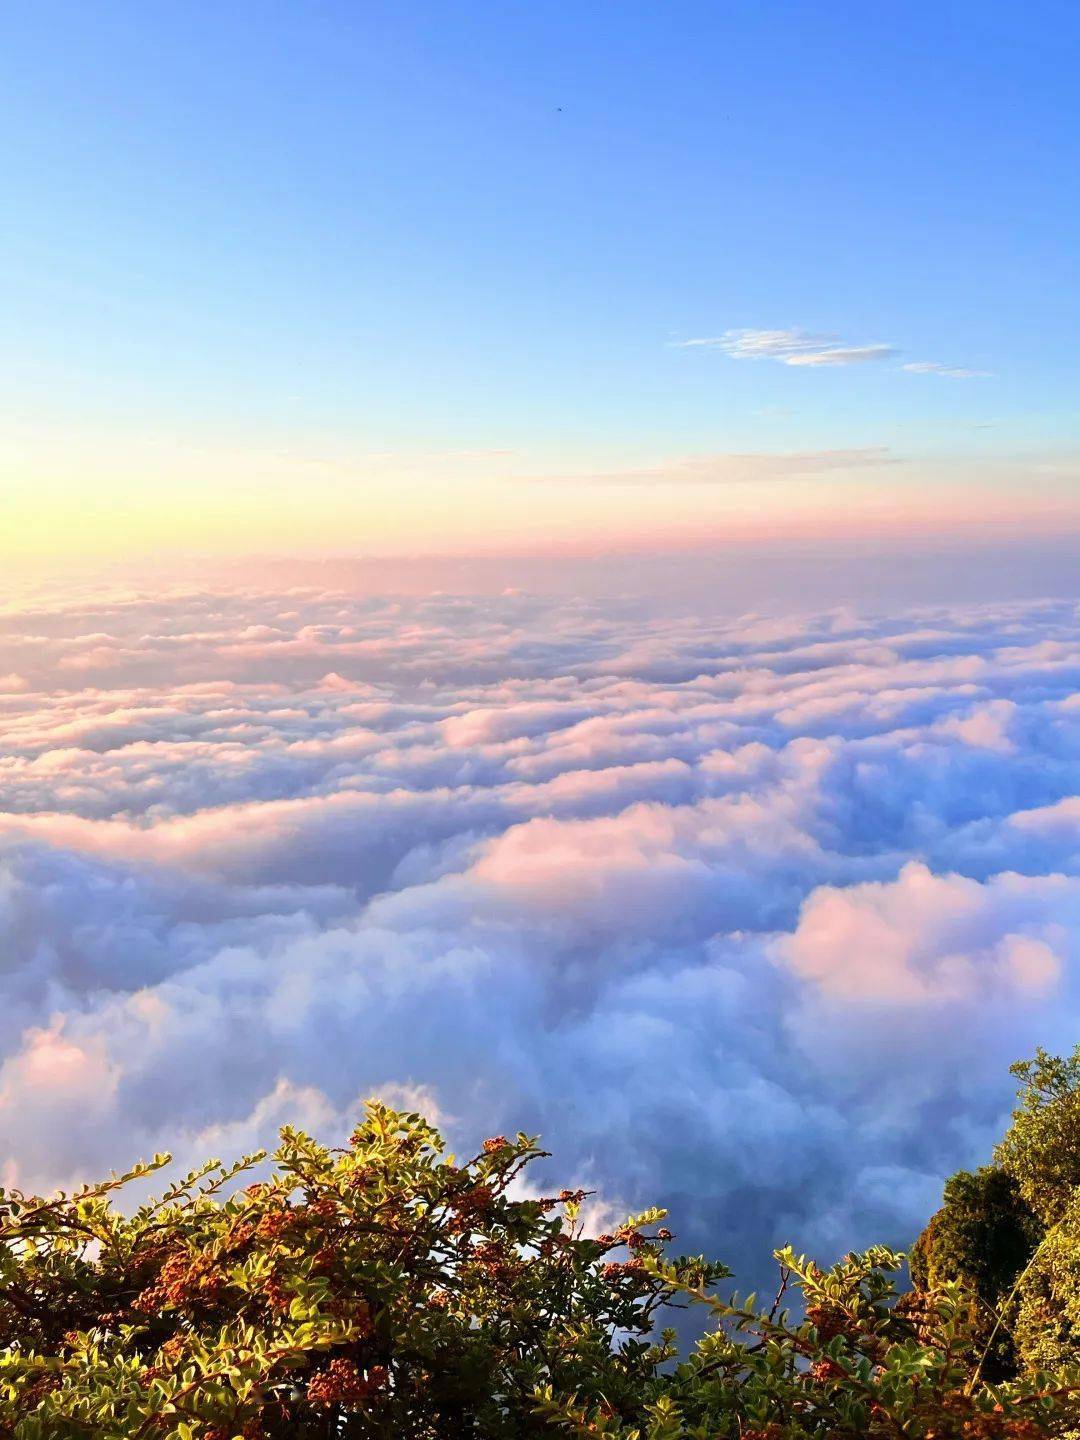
x=746 y=916
x=937 y=939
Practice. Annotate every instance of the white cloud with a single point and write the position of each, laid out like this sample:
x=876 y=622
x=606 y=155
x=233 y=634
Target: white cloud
x=798 y=347
x=791 y=347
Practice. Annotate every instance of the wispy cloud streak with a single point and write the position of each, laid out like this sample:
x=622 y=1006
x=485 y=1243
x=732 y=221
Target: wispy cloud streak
x=791 y=347
x=735 y=469
x=952 y=372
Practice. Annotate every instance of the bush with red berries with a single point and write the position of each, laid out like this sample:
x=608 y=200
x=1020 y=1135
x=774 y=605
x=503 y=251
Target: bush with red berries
x=383 y=1289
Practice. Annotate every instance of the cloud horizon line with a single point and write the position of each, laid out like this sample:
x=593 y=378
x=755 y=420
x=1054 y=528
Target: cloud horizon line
x=723 y=468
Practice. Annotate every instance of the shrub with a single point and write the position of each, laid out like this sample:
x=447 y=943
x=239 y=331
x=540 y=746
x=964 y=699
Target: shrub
x=982 y=1237
x=378 y=1290
x=1009 y=1234
x=862 y=1361
x=1047 y=1324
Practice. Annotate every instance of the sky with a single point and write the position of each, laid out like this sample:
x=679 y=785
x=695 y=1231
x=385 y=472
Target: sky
x=387 y=280
x=540 y=579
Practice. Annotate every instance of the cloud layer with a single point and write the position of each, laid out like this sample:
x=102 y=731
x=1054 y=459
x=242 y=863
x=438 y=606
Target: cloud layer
x=747 y=917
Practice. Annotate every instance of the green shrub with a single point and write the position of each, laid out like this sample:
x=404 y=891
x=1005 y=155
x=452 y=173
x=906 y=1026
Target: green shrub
x=1047 y=1324
x=982 y=1237
x=1009 y=1234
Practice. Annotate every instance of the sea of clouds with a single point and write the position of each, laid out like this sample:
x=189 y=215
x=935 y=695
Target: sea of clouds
x=746 y=917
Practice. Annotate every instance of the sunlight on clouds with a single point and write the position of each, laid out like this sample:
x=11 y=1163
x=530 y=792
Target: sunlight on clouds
x=268 y=849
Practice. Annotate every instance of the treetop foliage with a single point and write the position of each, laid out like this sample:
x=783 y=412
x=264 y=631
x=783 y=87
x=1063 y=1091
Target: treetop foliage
x=1041 y=1149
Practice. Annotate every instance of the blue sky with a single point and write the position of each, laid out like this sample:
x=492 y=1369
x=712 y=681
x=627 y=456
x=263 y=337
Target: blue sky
x=443 y=673
x=369 y=228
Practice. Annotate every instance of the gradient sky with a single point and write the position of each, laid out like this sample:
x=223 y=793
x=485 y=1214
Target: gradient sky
x=368 y=277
